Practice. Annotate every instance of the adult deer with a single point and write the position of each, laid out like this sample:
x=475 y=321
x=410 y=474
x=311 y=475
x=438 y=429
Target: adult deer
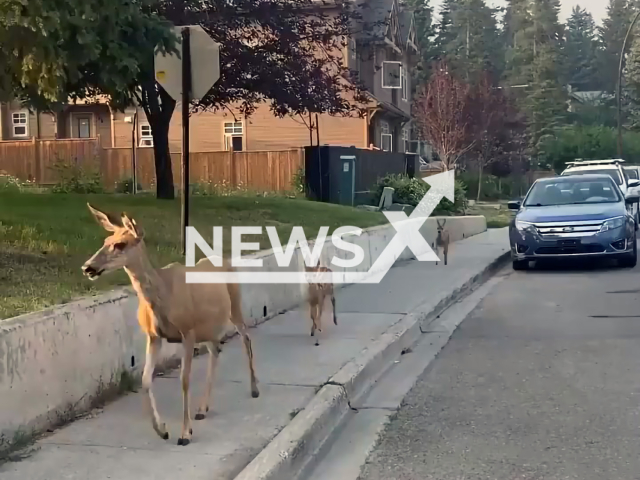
x=316 y=298
x=442 y=240
x=173 y=310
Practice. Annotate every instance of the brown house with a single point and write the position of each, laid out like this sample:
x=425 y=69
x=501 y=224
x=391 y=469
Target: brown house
x=382 y=58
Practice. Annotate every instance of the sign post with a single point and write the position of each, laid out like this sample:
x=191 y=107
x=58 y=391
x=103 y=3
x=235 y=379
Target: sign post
x=186 y=100
x=185 y=77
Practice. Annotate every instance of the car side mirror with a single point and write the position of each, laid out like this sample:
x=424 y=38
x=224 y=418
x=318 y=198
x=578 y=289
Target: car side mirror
x=634 y=183
x=514 y=205
x=631 y=199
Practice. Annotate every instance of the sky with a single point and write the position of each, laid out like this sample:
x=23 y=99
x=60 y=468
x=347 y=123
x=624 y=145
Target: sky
x=598 y=8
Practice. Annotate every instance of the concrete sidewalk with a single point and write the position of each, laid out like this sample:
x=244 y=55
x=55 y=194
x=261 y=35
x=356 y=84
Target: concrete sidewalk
x=119 y=443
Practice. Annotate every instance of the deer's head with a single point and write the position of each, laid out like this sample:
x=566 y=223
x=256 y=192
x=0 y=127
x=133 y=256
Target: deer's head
x=441 y=225
x=119 y=249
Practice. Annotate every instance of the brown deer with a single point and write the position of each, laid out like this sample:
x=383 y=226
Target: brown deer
x=172 y=310
x=316 y=298
x=442 y=240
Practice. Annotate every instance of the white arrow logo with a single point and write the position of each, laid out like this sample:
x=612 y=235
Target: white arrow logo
x=407 y=235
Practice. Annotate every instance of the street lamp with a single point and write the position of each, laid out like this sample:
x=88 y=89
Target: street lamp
x=619 y=93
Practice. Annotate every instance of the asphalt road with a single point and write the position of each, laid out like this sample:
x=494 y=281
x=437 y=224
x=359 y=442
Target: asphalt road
x=540 y=382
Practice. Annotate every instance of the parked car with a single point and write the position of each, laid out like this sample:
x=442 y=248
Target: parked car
x=633 y=172
x=612 y=167
x=573 y=216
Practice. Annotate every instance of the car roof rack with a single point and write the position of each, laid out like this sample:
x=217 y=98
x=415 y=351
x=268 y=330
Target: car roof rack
x=578 y=162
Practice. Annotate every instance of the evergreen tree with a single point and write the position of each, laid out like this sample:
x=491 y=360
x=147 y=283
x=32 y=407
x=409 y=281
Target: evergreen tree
x=425 y=31
x=519 y=43
x=612 y=33
x=444 y=29
x=470 y=41
x=534 y=63
x=581 y=50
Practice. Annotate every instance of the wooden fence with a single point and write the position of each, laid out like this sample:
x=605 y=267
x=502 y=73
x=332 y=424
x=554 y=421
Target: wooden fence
x=35 y=161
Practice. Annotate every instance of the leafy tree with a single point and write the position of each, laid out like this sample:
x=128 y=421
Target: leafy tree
x=443 y=112
x=495 y=127
x=286 y=53
x=581 y=50
x=588 y=143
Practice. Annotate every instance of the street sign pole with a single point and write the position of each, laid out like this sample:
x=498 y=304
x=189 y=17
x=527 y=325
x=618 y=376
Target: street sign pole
x=186 y=77
x=186 y=100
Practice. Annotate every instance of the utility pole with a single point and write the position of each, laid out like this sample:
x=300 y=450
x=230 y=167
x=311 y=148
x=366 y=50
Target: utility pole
x=619 y=92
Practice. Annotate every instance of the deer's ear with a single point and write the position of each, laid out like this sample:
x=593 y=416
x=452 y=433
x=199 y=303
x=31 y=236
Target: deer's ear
x=108 y=222
x=131 y=226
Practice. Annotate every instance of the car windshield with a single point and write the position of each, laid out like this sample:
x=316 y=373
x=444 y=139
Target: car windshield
x=632 y=173
x=571 y=191
x=612 y=172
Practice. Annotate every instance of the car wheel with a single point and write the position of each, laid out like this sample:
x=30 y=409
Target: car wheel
x=520 y=264
x=631 y=260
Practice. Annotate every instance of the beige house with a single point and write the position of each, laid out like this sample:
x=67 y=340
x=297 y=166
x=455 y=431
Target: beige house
x=383 y=61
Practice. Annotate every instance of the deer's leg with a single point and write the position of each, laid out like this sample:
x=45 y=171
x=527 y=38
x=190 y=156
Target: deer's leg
x=446 y=253
x=188 y=342
x=246 y=340
x=312 y=314
x=315 y=314
x=214 y=353
x=333 y=307
x=153 y=348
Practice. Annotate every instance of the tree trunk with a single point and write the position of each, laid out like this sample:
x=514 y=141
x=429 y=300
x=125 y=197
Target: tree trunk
x=159 y=107
x=162 y=158
x=479 y=180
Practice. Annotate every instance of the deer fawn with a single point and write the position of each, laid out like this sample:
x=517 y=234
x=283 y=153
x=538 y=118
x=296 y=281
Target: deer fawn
x=316 y=298
x=172 y=310
x=442 y=240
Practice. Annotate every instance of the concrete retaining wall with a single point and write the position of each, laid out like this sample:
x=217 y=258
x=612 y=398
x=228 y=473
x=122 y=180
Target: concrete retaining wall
x=55 y=363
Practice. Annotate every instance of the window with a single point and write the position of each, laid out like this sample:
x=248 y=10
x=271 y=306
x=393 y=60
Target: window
x=612 y=172
x=233 y=133
x=354 y=64
x=146 y=139
x=386 y=138
x=404 y=83
x=81 y=125
x=19 y=121
x=406 y=138
x=391 y=73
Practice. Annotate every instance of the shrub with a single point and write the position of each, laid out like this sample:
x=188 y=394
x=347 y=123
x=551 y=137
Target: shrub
x=9 y=182
x=298 y=182
x=410 y=191
x=76 y=179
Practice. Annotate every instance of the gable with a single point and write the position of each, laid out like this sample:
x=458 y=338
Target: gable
x=392 y=32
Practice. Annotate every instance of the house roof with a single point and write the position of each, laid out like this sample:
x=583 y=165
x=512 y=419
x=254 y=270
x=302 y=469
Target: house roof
x=590 y=96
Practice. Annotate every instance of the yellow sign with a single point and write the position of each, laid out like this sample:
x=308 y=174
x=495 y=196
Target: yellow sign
x=160 y=75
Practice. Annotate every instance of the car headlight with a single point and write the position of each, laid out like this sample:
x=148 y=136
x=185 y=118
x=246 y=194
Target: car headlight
x=612 y=223
x=524 y=226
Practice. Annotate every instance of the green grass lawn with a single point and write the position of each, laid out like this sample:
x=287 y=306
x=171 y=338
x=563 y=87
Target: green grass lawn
x=45 y=238
x=495 y=218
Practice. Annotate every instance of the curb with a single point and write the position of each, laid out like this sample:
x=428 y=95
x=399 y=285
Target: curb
x=297 y=443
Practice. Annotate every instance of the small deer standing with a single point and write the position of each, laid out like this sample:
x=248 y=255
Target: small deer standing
x=173 y=310
x=442 y=240
x=316 y=297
